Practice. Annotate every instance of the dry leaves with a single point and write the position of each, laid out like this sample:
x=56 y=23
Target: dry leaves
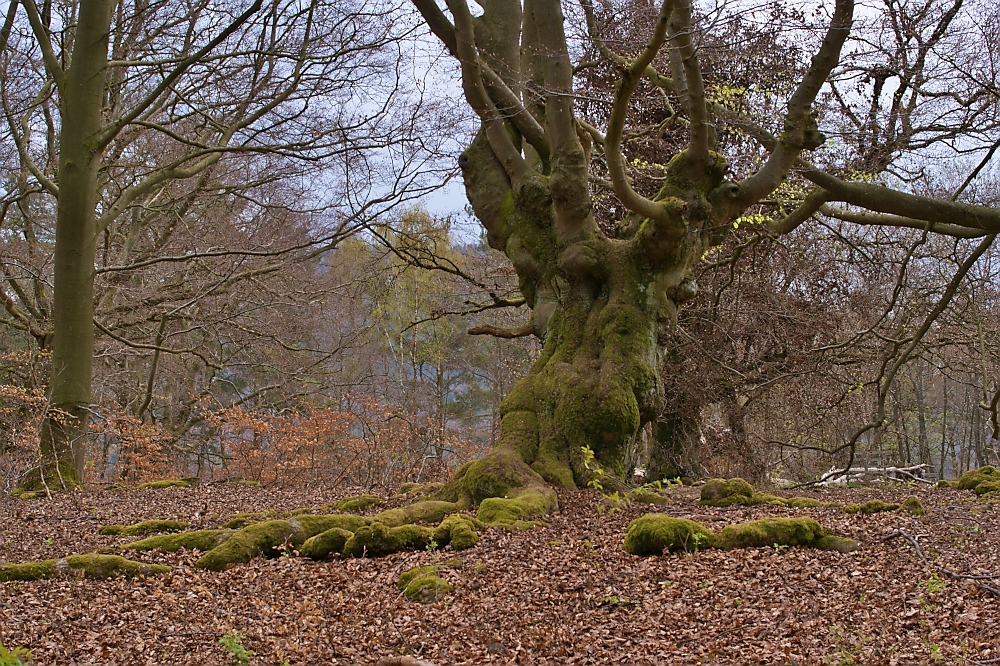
x=564 y=594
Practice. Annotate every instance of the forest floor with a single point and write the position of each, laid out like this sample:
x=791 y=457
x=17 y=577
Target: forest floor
x=566 y=593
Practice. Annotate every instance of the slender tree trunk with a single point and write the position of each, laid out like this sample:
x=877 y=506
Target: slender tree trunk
x=64 y=429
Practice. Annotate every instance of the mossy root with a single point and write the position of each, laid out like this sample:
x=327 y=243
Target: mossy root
x=779 y=532
x=85 y=566
x=656 y=532
x=145 y=527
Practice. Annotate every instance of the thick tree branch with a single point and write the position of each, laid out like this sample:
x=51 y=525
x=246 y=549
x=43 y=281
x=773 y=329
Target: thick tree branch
x=52 y=65
x=882 y=220
x=519 y=332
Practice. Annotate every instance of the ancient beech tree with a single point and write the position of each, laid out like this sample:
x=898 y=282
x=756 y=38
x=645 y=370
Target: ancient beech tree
x=601 y=300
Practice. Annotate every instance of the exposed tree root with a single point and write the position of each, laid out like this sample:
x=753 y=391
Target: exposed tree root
x=80 y=566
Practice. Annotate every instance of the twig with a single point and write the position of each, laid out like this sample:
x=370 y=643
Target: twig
x=977 y=580
x=403 y=661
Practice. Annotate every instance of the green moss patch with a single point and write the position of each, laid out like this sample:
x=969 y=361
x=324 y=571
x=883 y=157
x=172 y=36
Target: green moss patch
x=971 y=479
x=647 y=496
x=325 y=543
x=257 y=539
x=378 y=540
x=163 y=483
x=145 y=527
x=427 y=588
x=870 y=507
x=197 y=540
x=655 y=532
x=944 y=483
x=913 y=506
x=779 y=532
x=85 y=566
x=802 y=503
x=410 y=575
x=359 y=503
x=987 y=487
x=311 y=524
x=726 y=492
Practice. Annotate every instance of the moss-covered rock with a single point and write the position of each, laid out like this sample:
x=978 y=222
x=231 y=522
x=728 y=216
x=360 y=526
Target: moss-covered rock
x=145 y=527
x=85 y=566
x=987 y=487
x=163 y=483
x=359 y=503
x=313 y=525
x=726 y=492
x=870 y=507
x=458 y=530
x=204 y=540
x=323 y=544
x=429 y=511
x=771 y=532
x=971 y=479
x=944 y=483
x=241 y=520
x=913 y=506
x=378 y=540
x=647 y=496
x=427 y=588
x=655 y=532
x=410 y=489
x=765 y=498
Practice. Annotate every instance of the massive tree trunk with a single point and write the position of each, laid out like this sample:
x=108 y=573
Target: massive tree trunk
x=81 y=88
x=598 y=301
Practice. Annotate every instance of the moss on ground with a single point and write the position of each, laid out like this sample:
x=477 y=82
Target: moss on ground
x=870 y=507
x=781 y=532
x=913 y=506
x=359 y=503
x=987 y=487
x=944 y=483
x=647 y=496
x=197 y=540
x=313 y=525
x=325 y=543
x=145 y=527
x=971 y=479
x=726 y=492
x=410 y=575
x=378 y=540
x=802 y=503
x=427 y=588
x=86 y=566
x=163 y=483
x=655 y=532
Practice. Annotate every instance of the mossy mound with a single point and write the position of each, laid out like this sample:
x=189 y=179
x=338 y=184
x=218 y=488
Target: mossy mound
x=771 y=532
x=315 y=524
x=417 y=489
x=145 y=527
x=726 y=492
x=163 y=483
x=913 y=506
x=943 y=483
x=655 y=532
x=870 y=507
x=987 y=487
x=803 y=503
x=971 y=479
x=410 y=575
x=429 y=511
x=325 y=543
x=359 y=503
x=378 y=540
x=647 y=496
x=427 y=588
x=85 y=566
x=458 y=530
x=50 y=477
x=204 y=540
x=240 y=520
